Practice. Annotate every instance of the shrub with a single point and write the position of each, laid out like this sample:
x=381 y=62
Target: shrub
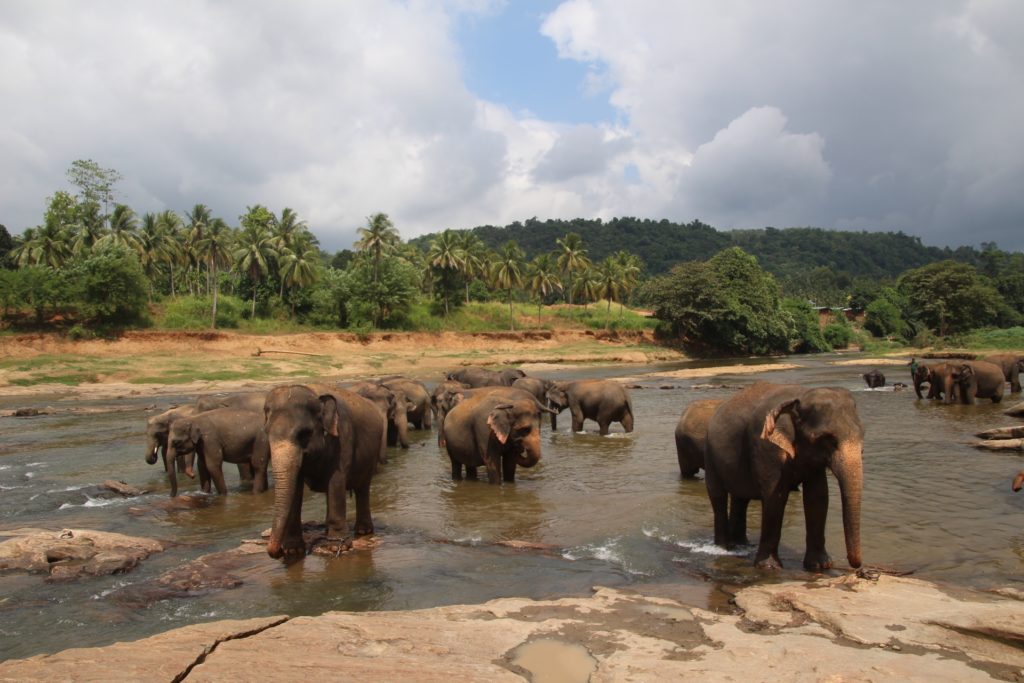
x=193 y=312
x=838 y=333
x=109 y=286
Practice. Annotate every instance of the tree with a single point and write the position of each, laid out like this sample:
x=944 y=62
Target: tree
x=377 y=239
x=254 y=249
x=300 y=265
x=542 y=279
x=199 y=219
x=610 y=283
x=6 y=245
x=631 y=266
x=96 y=183
x=572 y=257
x=446 y=259
x=508 y=274
x=109 y=285
x=381 y=298
x=122 y=232
x=215 y=249
x=46 y=245
x=289 y=230
x=950 y=297
x=474 y=255
x=807 y=336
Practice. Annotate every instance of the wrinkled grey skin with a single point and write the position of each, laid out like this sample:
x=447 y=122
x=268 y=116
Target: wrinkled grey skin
x=536 y=386
x=601 y=400
x=451 y=398
x=874 y=379
x=251 y=401
x=691 y=436
x=977 y=379
x=1012 y=365
x=419 y=413
x=219 y=436
x=158 y=428
x=476 y=376
x=766 y=440
x=495 y=431
x=331 y=442
x=392 y=405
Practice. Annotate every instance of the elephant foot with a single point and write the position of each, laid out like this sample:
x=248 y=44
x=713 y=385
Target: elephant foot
x=738 y=541
x=289 y=548
x=363 y=528
x=817 y=561
x=334 y=546
x=770 y=563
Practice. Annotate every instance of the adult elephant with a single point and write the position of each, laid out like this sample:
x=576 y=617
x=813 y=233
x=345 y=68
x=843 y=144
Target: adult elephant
x=494 y=431
x=874 y=379
x=939 y=378
x=1011 y=364
x=453 y=397
x=977 y=379
x=219 y=436
x=392 y=405
x=418 y=413
x=601 y=400
x=534 y=385
x=767 y=439
x=476 y=376
x=251 y=401
x=438 y=397
x=158 y=428
x=691 y=435
x=329 y=441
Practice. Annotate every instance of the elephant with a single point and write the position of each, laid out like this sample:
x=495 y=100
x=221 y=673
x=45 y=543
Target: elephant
x=768 y=438
x=536 y=386
x=476 y=376
x=453 y=397
x=419 y=413
x=495 y=431
x=219 y=436
x=330 y=441
x=977 y=379
x=438 y=397
x=1011 y=364
x=691 y=435
x=392 y=405
x=158 y=428
x=874 y=379
x=251 y=401
x=601 y=400
x=939 y=378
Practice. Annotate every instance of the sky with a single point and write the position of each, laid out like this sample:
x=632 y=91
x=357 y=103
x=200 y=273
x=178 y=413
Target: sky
x=875 y=115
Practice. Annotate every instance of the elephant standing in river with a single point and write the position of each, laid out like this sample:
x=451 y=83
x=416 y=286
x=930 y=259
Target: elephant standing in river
x=330 y=441
x=393 y=406
x=601 y=400
x=767 y=439
x=691 y=435
x=219 y=436
x=939 y=378
x=495 y=431
x=874 y=379
x=476 y=376
x=534 y=385
x=158 y=428
x=418 y=398
x=1011 y=364
x=977 y=379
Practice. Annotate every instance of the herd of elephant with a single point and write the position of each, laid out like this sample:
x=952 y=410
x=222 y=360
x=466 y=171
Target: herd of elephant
x=333 y=438
x=963 y=381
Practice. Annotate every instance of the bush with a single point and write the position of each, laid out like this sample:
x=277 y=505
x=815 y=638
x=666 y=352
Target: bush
x=883 y=319
x=838 y=333
x=110 y=287
x=807 y=335
x=193 y=312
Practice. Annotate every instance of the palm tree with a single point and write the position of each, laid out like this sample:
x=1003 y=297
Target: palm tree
x=253 y=255
x=215 y=249
x=508 y=273
x=89 y=228
x=631 y=266
x=299 y=264
x=150 y=257
x=123 y=230
x=572 y=257
x=586 y=286
x=609 y=279
x=287 y=231
x=446 y=257
x=379 y=237
x=473 y=258
x=542 y=278
x=168 y=244
x=46 y=245
x=198 y=220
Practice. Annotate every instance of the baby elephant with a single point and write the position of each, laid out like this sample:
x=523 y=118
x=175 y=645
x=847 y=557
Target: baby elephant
x=219 y=436
x=692 y=436
x=874 y=379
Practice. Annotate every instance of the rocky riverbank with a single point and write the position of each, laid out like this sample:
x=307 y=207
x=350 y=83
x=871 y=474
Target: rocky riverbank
x=879 y=628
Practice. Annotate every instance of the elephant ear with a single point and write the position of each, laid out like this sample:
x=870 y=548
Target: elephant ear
x=770 y=433
x=194 y=434
x=329 y=414
x=500 y=421
x=964 y=371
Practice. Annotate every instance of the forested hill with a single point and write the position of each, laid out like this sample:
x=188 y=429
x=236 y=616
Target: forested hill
x=787 y=252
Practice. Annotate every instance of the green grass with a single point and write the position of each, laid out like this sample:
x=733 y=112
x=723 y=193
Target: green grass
x=1008 y=339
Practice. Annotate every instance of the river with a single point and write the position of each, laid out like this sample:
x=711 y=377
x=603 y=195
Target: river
x=601 y=510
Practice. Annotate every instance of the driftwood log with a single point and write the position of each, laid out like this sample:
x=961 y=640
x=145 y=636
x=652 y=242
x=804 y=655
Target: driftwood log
x=1001 y=444
x=1015 y=411
x=260 y=352
x=1002 y=433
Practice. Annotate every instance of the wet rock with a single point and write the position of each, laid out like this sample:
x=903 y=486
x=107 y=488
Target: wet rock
x=183 y=502
x=72 y=553
x=315 y=536
x=29 y=412
x=123 y=488
x=1015 y=411
x=837 y=629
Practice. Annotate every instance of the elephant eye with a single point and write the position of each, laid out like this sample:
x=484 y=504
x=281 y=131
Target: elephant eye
x=303 y=436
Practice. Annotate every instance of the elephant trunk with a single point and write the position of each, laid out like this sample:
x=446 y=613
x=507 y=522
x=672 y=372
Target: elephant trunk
x=172 y=476
x=152 y=450
x=402 y=427
x=286 y=461
x=530 y=455
x=846 y=465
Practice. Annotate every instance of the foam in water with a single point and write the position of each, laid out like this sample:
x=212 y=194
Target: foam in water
x=608 y=551
x=700 y=547
x=92 y=503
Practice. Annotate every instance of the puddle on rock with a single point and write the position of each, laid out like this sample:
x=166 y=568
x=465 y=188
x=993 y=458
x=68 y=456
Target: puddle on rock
x=555 y=661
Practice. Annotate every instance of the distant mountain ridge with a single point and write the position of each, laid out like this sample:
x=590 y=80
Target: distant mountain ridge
x=784 y=252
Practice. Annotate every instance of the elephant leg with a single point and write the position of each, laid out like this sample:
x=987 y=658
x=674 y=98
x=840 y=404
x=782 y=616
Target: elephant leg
x=364 y=520
x=554 y=422
x=457 y=469
x=169 y=466
x=493 y=464
x=602 y=427
x=427 y=423
x=245 y=472
x=627 y=421
x=773 y=506
x=577 y=419
x=738 y=520
x=508 y=467
x=719 y=505
x=259 y=480
x=337 y=528
x=471 y=472
x=204 y=475
x=217 y=474
x=815 y=494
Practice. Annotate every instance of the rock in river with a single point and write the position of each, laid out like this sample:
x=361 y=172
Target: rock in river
x=71 y=553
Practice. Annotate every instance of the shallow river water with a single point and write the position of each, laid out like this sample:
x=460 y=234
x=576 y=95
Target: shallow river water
x=602 y=510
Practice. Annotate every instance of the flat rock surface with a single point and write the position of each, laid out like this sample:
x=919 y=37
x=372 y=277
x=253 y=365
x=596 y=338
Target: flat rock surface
x=837 y=629
x=71 y=553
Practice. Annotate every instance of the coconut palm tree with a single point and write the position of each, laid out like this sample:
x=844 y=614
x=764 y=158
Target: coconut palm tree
x=123 y=230
x=253 y=255
x=586 y=285
x=198 y=220
x=572 y=257
x=300 y=264
x=508 y=275
x=46 y=245
x=379 y=237
x=631 y=267
x=89 y=228
x=609 y=280
x=445 y=257
x=169 y=242
x=215 y=249
x=474 y=255
x=542 y=278
x=288 y=230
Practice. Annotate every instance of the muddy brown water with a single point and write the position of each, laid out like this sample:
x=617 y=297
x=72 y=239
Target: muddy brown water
x=597 y=511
